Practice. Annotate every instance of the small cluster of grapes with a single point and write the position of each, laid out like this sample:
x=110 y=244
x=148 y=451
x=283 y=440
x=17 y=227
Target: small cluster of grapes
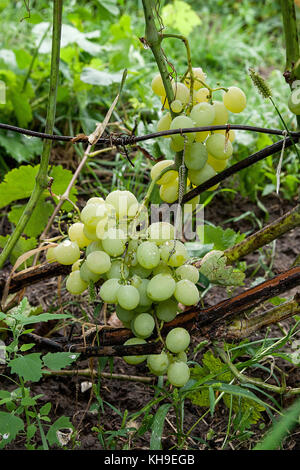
x=145 y=273
x=207 y=152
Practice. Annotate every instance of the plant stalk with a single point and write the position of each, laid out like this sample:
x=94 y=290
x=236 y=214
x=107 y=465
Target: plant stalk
x=41 y=182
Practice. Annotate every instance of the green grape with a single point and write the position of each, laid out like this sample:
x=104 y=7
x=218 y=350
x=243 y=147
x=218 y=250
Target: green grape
x=178 y=340
x=178 y=373
x=98 y=262
x=159 y=232
x=218 y=147
x=158 y=168
x=201 y=96
x=158 y=363
x=216 y=163
x=157 y=85
x=161 y=287
x=66 y=252
x=92 y=213
x=187 y=271
x=118 y=270
x=90 y=233
x=148 y=255
x=122 y=201
x=294 y=101
x=126 y=316
x=198 y=75
x=134 y=359
x=143 y=325
x=95 y=200
x=162 y=268
x=87 y=275
x=167 y=310
x=108 y=291
x=176 y=146
x=173 y=253
x=199 y=177
x=141 y=285
x=113 y=242
x=128 y=297
x=169 y=192
x=76 y=234
x=74 y=284
x=195 y=156
x=50 y=254
x=176 y=107
x=138 y=270
x=186 y=292
x=202 y=114
x=94 y=246
x=235 y=99
x=181 y=93
x=221 y=114
x=181 y=122
x=164 y=123
x=181 y=356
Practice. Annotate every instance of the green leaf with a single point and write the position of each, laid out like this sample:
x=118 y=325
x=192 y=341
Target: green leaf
x=214 y=267
x=22 y=108
x=20 y=147
x=281 y=428
x=181 y=16
x=44 y=317
x=18 y=184
x=59 y=360
x=45 y=409
x=22 y=246
x=28 y=367
x=10 y=426
x=61 y=423
x=30 y=431
x=158 y=426
x=38 y=219
x=26 y=347
x=221 y=239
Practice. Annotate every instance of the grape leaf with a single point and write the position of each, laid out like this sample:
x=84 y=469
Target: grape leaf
x=20 y=147
x=181 y=16
x=221 y=239
x=38 y=219
x=56 y=361
x=10 y=425
x=19 y=183
x=213 y=266
x=29 y=367
x=22 y=245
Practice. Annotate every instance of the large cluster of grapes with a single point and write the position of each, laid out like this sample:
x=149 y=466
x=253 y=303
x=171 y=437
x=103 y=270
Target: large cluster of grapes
x=145 y=273
x=205 y=153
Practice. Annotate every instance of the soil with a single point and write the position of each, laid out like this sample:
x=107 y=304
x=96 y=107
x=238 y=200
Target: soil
x=68 y=399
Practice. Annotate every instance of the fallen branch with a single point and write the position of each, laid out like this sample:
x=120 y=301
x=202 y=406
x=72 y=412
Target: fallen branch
x=209 y=321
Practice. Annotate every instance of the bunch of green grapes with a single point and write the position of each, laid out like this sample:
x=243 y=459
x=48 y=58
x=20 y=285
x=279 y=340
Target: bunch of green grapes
x=145 y=274
x=205 y=153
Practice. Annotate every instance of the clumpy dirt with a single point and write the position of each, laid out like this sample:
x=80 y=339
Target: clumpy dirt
x=68 y=399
